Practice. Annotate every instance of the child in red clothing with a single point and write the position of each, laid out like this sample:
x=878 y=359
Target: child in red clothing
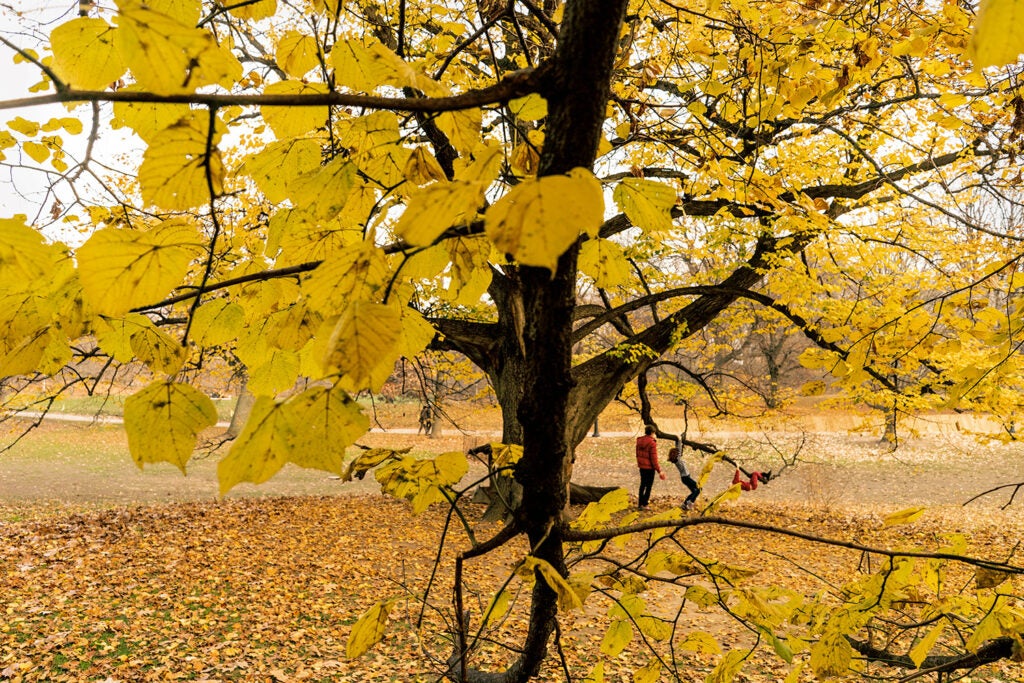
x=755 y=477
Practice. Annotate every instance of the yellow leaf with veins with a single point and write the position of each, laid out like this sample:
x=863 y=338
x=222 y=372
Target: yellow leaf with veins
x=365 y=333
x=84 y=54
x=297 y=53
x=289 y=122
x=540 y=218
x=123 y=269
x=181 y=168
x=167 y=56
x=163 y=421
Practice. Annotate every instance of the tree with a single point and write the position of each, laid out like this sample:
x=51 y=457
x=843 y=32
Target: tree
x=334 y=189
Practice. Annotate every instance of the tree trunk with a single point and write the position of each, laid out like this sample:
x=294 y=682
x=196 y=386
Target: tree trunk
x=577 y=95
x=243 y=407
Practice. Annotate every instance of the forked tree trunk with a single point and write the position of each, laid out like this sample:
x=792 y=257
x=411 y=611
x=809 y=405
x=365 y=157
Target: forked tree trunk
x=577 y=94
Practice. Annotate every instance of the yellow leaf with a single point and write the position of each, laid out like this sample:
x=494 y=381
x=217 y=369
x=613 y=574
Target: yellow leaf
x=325 y=422
x=37 y=151
x=997 y=39
x=124 y=269
x=368 y=630
x=364 y=64
x=24 y=255
x=505 y=455
x=654 y=628
x=485 y=166
x=20 y=124
x=260 y=450
x=925 y=645
x=297 y=53
x=831 y=655
x=702 y=596
x=567 y=597
x=423 y=168
x=280 y=167
x=606 y=262
x=988 y=578
x=181 y=167
x=647 y=203
x=45 y=350
x=367 y=460
x=907 y=516
x=115 y=335
x=84 y=54
x=290 y=122
x=727 y=667
x=617 y=637
x=648 y=673
x=533 y=107
x=147 y=119
x=462 y=128
x=451 y=467
x=357 y=273
x=469 y=273
x=365 y=333
x=325 y=192
x=277 y=373
x=435 y=208
x=187 y=12
x=497 y=609
x=700 y=642
x=539 y=219
x=163 y=421
x=158 y=350
x=217 y=321
x=596 y=674
x=596 y=514
x=167 y=55
x=261 y=9
x=731 y=493
x=416 y=333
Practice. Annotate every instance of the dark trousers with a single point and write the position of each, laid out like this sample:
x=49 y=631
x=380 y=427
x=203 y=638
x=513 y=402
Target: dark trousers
x=646 y=484
x=689 y=483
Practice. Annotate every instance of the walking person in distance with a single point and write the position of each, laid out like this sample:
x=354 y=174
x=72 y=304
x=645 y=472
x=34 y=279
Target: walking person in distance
x=647 y=461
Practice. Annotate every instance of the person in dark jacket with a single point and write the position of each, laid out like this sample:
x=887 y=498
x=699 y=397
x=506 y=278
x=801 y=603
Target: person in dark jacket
x=647 y=461
x=689 y=482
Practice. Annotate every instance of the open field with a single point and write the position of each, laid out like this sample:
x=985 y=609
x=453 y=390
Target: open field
x=112 y=573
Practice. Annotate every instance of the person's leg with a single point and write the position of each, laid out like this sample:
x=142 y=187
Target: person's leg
x=694 y=489
x=646 y=484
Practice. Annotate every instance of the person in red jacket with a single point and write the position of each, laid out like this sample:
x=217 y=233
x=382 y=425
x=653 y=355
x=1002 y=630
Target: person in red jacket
x=647 y=461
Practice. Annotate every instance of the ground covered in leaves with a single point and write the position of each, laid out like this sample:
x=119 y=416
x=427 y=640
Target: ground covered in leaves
x=268 y=589
x=110 y=574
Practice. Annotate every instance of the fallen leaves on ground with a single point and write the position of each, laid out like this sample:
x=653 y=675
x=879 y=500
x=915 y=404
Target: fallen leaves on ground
x=269 y=589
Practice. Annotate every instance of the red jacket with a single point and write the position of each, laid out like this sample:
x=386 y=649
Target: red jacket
x=647 y=453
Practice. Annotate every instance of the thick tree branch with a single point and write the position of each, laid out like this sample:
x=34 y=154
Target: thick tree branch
x=516 y=84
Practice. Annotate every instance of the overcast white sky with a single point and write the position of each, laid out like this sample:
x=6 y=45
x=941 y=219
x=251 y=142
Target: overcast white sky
x=25 y=23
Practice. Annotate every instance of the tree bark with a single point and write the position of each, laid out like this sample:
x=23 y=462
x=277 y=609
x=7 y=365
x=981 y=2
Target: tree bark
x=577 y=95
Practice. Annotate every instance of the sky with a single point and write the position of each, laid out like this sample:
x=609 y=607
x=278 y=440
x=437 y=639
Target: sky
x=25 y=23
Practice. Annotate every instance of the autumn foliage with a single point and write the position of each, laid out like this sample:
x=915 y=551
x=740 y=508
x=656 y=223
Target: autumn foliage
x=574 y=197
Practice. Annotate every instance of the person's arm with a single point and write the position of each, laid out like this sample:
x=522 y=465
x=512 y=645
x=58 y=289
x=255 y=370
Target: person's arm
x=654 y=458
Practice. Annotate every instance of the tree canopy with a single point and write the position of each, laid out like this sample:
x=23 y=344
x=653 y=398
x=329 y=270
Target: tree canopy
x=325 y=188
